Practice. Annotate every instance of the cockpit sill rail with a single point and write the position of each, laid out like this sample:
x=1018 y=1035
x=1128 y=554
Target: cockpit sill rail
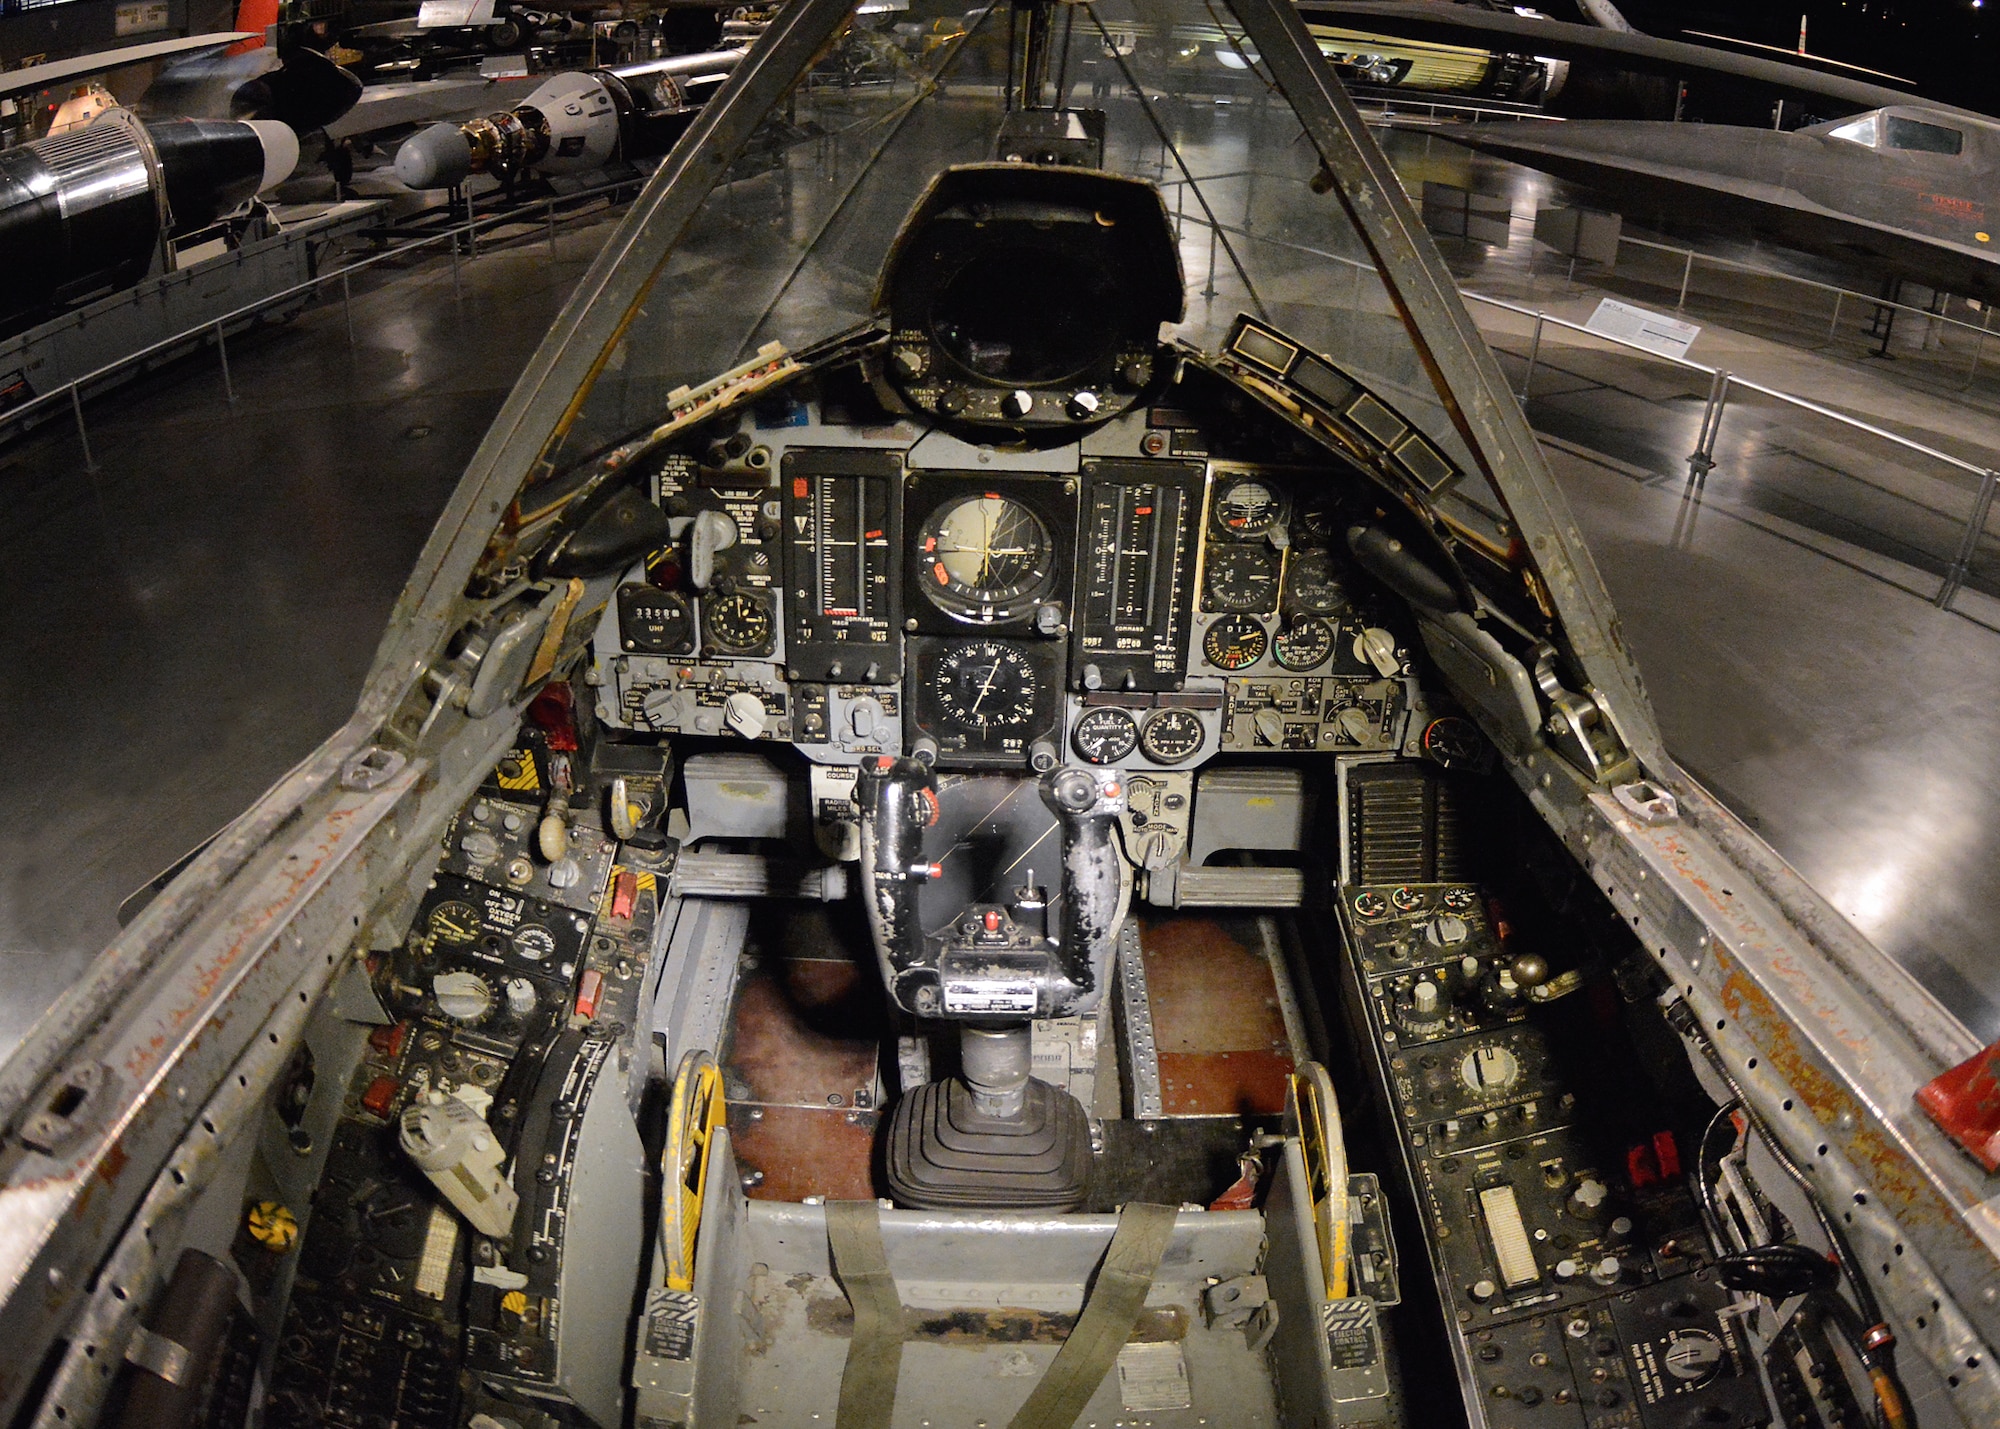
x=266 y=915
x=167 y=1015
x=1829 y=1040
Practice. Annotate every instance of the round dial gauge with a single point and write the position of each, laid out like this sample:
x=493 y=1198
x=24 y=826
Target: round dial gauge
x=985 y=558
x=985 y=685
x=1105 y=736
x=1170 y=736
x=1320 y=520
x=534 y=942
x=1241 y=578
x=1370 y=904
x=1247 y=507
x=1453 y=742
x=462 y=996
x=1407 y=899
x=736 y=620
x=1234 y=643
x=1312 y=583
x=1306 y=642
x=455 y=921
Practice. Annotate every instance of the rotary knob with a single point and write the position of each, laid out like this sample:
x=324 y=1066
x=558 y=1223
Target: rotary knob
x=1083 y=406
x=1017 y=404
x=1447 y=930
x=744 y=713
x=1694 y=1355
x=909 y=363
x=952 y=401
x=462 y=996
x=1489 y=1070
x=1586 y=1202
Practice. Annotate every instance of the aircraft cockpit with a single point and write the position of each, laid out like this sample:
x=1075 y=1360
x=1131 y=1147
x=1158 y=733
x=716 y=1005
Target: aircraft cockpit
x=1019 y=809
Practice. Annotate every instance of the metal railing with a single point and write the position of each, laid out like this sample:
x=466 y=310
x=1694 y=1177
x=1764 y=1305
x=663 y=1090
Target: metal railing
x=1382 y=107
x=1721 y=384
x=1701 y=461
x=468 y=229
x=1933 y=318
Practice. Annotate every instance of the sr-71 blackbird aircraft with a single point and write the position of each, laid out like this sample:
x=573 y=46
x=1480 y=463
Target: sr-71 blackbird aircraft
x=967 y=821
x=1903 y=188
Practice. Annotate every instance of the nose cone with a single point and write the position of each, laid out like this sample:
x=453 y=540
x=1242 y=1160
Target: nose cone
x=281 y=151
x=434 y=158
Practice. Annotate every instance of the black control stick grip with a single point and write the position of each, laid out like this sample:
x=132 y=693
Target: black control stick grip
x=1088 y=804
x=898 y=799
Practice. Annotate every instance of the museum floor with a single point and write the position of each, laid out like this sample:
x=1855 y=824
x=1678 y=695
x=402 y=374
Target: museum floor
x=190 y=620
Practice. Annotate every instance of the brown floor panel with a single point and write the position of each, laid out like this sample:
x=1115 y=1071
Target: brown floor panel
x=1210 y=990
x=802 y=1034
x=802 y=1152
x=1244 y=1083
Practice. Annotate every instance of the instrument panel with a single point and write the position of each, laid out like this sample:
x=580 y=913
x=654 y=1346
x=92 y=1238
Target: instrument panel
x=830 y=589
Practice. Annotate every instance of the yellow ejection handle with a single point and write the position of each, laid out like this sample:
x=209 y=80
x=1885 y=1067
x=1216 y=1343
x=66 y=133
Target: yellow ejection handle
x=1314 y=1115
x=692 y=1116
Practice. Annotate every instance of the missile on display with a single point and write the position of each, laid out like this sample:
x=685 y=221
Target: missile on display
x=574 y=123
x=89 y=209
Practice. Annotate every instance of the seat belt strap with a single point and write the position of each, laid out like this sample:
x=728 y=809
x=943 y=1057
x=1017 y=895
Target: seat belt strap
x=1109 y=1315
x=875 y=1354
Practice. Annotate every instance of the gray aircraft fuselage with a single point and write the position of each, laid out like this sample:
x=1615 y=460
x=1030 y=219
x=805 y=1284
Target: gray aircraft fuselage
x=1915 y=201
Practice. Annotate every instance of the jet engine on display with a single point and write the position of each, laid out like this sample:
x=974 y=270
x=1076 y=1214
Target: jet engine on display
x=572 y=124
x=89 y=209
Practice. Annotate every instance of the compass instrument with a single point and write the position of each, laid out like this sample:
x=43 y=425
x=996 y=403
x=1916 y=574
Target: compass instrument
x=843 y=529
x=984 y=701
x=1171 y=736
x=1241 y=578
x=986 y=686
x=1234 y=642
x=985 y=559
x=1304 y=644
x=1105 y=735
x=738 y=622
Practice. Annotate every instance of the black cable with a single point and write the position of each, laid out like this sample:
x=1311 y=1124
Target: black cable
x=1778 y=1271
x=1705 y=1192
x=1873 y=1341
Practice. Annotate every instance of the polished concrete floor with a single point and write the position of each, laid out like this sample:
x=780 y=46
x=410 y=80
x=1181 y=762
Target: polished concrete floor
x=194 y=617
x=189 y=621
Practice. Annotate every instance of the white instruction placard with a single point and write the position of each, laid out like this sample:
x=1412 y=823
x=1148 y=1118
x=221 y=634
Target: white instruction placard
x=1656 y=332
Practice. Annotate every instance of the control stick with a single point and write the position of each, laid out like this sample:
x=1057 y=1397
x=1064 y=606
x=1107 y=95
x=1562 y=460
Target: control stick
x=994 y=1136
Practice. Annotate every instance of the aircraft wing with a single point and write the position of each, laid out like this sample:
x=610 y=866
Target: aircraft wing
x=27 y=81
x=1590 y=153
x=1558 y=39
